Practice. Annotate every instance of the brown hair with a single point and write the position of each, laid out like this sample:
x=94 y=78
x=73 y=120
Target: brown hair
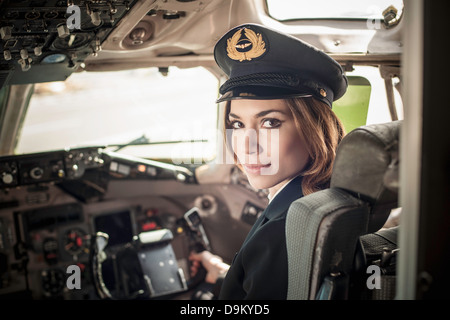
x=322 y=131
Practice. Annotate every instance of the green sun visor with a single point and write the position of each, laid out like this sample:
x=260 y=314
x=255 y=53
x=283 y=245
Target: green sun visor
x=353 y=107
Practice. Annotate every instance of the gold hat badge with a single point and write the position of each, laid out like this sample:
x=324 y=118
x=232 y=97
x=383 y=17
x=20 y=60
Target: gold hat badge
x=250 y=46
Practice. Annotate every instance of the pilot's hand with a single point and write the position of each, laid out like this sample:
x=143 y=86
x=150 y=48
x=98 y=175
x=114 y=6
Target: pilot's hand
x=213 y=264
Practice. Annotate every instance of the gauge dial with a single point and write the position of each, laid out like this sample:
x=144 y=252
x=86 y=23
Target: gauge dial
x=74 y=241
x=52 y=281
x=49 y=248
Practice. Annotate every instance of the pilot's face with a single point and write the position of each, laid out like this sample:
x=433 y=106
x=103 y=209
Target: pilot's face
x=266 y=142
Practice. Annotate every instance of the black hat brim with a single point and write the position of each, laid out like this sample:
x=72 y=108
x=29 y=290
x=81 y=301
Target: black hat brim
x=261 y=93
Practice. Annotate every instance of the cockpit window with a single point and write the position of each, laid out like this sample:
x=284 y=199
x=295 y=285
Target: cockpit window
x=330 y=9
x=142 y=112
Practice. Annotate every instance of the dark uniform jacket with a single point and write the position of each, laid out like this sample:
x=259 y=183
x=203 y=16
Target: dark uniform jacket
x=259 y=270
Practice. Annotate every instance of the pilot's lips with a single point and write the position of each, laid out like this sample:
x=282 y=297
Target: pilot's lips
x=255 y=168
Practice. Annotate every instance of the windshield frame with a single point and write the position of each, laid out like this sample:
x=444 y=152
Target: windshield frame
x=371 y=13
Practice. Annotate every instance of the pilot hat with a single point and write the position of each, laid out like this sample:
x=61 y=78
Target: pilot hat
x=262 y=63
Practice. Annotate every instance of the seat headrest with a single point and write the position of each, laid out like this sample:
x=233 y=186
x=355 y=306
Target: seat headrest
x=366 y=165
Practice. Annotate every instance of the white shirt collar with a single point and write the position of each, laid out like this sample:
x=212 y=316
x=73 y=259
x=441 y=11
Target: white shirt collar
x=276 y=193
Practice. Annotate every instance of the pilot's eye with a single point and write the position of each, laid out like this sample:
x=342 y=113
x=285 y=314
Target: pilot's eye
x=271 y=123
x=236 y=124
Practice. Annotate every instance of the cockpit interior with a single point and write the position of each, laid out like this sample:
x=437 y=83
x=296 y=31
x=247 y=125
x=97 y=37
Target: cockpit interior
x=112 y=166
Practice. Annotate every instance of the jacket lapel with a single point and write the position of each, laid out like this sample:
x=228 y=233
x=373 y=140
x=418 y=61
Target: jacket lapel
x=279 y=204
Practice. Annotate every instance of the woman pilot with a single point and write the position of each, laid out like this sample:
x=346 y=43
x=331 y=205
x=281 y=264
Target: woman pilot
x=280 y=90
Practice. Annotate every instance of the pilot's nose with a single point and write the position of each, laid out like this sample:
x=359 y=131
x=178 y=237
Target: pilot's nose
x=251 y=145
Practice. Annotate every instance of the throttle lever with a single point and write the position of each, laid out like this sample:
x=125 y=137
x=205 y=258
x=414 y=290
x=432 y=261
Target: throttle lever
x=192 y=218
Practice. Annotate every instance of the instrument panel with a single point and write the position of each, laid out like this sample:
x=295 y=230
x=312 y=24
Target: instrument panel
x=47 y=40
x=48 y=167
x=39 y=245
x=53 y=204
x=75 y=164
